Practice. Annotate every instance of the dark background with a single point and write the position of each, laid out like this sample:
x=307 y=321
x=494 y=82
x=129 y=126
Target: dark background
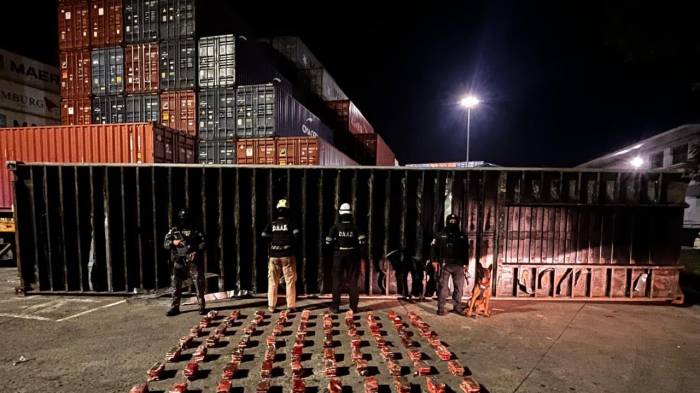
x=562 y=81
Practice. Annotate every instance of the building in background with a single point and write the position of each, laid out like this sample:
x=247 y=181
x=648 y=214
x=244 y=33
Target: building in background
x=29 y=92
x=673 y=149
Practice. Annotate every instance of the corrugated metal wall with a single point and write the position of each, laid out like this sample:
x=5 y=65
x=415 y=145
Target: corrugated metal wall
x=551 y=234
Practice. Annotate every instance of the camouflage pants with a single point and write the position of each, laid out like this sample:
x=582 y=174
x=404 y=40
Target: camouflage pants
x=194 y=270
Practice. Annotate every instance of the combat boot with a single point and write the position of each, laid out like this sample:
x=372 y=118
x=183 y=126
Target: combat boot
x=441 y=312
x=173 y=311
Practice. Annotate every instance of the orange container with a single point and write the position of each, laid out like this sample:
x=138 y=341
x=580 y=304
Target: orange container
x=73 y=24
x=289 y=151
x=106 y=23
x=76 y=111
x=178 y=110
x=256 y=151
x=76 y=74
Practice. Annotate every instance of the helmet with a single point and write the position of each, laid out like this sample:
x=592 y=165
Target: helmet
x=183 y=216
x=345 y=209
x=452 y=221
x=282 y=207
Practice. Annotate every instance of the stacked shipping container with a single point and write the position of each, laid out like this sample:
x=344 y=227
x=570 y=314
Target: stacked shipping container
x=74 y=33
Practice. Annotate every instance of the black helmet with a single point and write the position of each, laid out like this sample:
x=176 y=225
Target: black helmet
x=452 y=221
x=183 y=216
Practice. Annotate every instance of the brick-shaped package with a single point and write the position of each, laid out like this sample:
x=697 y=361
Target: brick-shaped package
x=371 y=385
x=224 y=386
x=140 y=388
x=173 y=354
x=154 y=373
x=179 y=387
x=455 y=368
x=434 y=386
x=191 y=369
x=469 y=385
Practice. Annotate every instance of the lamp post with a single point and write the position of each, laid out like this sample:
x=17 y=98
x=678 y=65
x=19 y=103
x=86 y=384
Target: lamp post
x=469 y=102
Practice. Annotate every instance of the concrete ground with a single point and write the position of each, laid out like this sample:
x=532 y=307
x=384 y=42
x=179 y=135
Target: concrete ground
x=106 y=344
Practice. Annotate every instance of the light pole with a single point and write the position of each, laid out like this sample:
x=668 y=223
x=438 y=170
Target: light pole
x=469 y=102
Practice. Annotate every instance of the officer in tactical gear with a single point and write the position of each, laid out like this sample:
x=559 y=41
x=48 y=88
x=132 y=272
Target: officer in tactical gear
x=450 y=253
x=348 y=244
x=283 y=236
x=186 y=245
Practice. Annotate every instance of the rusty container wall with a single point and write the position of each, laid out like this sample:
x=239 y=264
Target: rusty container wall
x=73 y=24
x=76 y=74
x=350 y=117
x=378 y=149
x=555 y=234
x=106 y=23
x=141 y=66
x=256 y=151
x=76 y=111
x=309 y=151
x=178 y=110
x=118 y=143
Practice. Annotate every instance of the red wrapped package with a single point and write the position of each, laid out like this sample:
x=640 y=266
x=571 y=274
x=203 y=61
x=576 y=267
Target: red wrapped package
x=173 y=354
x=352 y=331
x=394 y=368
x=221 y=329
x=263 y=386
x=426 y=333
x=155 y=372
x=185 y=341
x=298 y=385
x=386 y=353
x=335 y=386
x=196 y=331
x=328 y=353
x=401 y=385
x=191 y=370
x=213 y=340
x=434 y=386
x=237 y=355
x=305 y=315
x=284 y=314
x=356 y=342
x=230 y=370
x=258 y=320
x=204 y=322
x=266 y=369
x=200 y=353
x=329 y=368
x=371 y=385
x=297 y=369
x=212 y=314
x=328 y=344
x=248 y=330
x=455 y=368
x=434 y=342
x=407 y=342
x=271 y=341
x=469 y=385
x=260 y=313
x=443 y=353
x=421 y=368
x=361 y=367
x=140 y=388
x=224 y=386
x=277 y=330
x=356 y=354
x=415 y=355
x=180 y=387
x=297 y=351
x=234 y=315
x=392 y=314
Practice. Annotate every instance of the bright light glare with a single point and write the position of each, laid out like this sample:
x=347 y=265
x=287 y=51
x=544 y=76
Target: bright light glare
x=469 y=101
x=636 y=162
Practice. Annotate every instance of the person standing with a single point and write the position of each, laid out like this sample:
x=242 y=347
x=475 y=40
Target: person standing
x=283 y=235
x=450 y=253
x=186 y=245
x=348 y=244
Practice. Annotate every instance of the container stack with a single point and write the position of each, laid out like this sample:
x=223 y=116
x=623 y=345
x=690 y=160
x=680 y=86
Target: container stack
x=352 y=128
x=128 y=61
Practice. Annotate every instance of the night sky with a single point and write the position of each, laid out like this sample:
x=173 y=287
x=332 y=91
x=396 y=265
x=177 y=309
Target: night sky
x=562 y=82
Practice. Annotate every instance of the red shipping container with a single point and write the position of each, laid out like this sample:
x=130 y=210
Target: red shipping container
x=352 y=119
x=77 y=111
x=141 y=62
x=99 y=143
x=178 y=110
x=256 y=151
x=309 y=151
x=378 y=148
x=73 y=24
x=76 y=74
x=106 y=23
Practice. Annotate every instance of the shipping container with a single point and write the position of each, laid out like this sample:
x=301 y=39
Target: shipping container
x=177 y=18
x=29 y=72
x=76 y=74
x=118 y=143
x=10 y=118
x=76 y=111
x=350 y=117
x=73 y=24
x=309 y=151
x=257 y=64
x=106 y=22
x=25 y=99
x=324 y=86
x=107 y=71
x=178 y=110
x=142 y=68
x=178 y=67
x=108 y=109
x=140 y=21
x=217 y=113
x=296 y=51
x=270 y=110
x=382 y=153
x=256 y=151
x=142 y=108
x=217 y=152
x=217 y=61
